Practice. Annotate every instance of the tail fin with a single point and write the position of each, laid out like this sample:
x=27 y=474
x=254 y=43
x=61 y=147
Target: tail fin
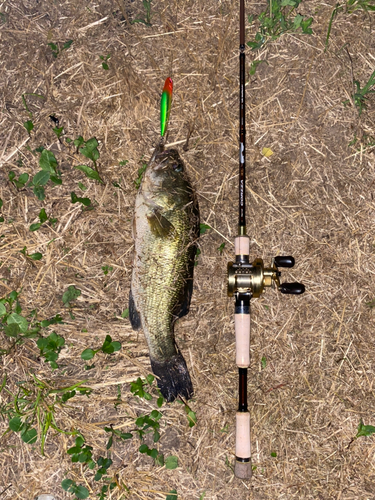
x=174 y=379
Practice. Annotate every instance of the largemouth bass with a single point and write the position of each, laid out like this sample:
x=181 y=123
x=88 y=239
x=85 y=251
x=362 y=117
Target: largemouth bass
x=165 y=231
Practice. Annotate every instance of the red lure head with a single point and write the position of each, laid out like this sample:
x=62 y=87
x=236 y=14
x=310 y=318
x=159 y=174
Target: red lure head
x=168 y=86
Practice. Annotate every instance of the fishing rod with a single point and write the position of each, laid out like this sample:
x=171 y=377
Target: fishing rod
x=246 y=281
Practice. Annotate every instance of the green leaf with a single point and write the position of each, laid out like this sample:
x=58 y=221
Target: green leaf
x=365 y=430
x=81 y=492
x=125 y=313
x=66 y=484
x=126 y=435
x=75 y=199
x=203 y=228
x=143 y=448
x=79 y=141
x=159 y=460
x=221 y=248
x=28 y=126
x=87 y=354
x=273 y=454
x=35 y=227
x=41 y=178
x=15 y=424
x=36 y=256
x=110 y=442
x=172 y=495
x=156 y=436
x=15 y=318
x=82 y=186
x=254 y=65
x=39 y=192
x=171 y=462
x=48 y=161
x=29 y=436
x=58 y=131
x=67 y=44
x=116 y=346
x=72 y=293
x=43 y=216
x=89 y=172
x=23 y=178
x=263 y=362
x=90 y=149
x=105 y=66
x=3 y=310
x=1 y=203
x=12 y=330
x=160 y=401
x=53 y=46
x=153 y=453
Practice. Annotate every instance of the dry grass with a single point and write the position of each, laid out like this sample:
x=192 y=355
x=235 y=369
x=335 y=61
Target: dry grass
x=313 y=199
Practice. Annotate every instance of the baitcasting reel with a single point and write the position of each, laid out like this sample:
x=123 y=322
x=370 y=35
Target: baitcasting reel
x=251 y=279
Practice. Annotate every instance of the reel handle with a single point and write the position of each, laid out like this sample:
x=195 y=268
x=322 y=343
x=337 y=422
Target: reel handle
x=284 y=261
x=292 y=288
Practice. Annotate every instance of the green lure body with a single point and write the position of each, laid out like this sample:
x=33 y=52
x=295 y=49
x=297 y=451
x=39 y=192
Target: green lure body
x=165 y=105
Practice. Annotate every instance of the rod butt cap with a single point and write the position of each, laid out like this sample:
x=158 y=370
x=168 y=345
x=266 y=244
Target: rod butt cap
x=242 y=470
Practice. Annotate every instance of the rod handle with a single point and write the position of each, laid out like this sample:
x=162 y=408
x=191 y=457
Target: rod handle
x=242 y=469
x=242 y=329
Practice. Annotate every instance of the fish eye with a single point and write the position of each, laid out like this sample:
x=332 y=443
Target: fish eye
x=177 y=167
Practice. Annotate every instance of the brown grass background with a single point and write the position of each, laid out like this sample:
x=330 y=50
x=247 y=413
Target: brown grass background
x=313 y=198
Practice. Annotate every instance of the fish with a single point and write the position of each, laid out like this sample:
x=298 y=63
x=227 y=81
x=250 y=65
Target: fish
x=165 y=231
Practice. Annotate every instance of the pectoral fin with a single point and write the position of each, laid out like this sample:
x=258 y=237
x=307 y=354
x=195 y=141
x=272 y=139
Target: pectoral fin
x=159 y=225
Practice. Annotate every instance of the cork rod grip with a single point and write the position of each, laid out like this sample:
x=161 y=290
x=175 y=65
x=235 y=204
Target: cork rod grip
x=242 y=466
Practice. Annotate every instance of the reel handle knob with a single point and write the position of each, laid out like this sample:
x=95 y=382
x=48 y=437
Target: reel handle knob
x=292 y=288
x=284 y=261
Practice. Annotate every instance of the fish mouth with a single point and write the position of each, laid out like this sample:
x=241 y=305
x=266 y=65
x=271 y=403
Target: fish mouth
x=160 y=157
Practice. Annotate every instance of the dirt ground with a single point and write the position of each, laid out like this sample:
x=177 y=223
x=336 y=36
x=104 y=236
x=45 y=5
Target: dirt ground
x=312 y=357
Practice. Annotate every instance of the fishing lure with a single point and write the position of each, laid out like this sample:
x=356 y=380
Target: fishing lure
x=165 y=105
